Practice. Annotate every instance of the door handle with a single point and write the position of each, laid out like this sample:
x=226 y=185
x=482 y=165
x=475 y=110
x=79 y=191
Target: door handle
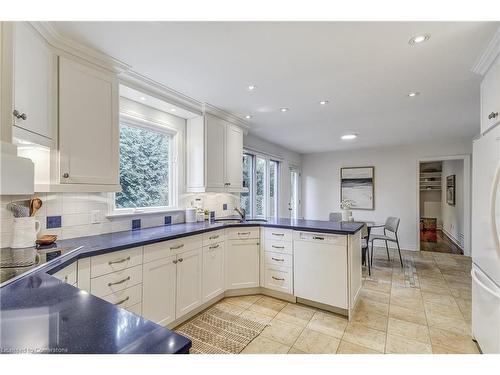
x=120 y=282
x=277 y=278
x=475 y=278
x=493 y=203
x=122 y=301
x=118 y=261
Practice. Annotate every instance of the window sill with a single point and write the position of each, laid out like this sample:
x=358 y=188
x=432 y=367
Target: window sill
x=145 y=213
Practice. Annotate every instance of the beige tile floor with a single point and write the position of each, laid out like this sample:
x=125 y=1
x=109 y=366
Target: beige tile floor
x=423 y=308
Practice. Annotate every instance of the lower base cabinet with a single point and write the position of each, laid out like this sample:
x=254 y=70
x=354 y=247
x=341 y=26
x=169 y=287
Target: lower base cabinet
x=213 y=271
x=242 y=264
x=158 y=295
x=189 y=280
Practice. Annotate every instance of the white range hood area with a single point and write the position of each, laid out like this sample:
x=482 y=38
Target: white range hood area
x=16 y=173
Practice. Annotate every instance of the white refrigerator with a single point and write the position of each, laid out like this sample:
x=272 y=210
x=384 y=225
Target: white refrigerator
x=486 y=241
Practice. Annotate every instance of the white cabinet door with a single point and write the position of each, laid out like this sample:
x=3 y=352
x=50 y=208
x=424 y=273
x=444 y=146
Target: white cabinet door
x=490 y=97
x=158 y=293
x=188 y=286
x=32 y=81
x=215 y=153
x=213 y=270
x=242 y=264
x=320 y=272
x=88 y=124
x=234 y=158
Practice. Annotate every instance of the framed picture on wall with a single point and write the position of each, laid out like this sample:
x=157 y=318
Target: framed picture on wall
x=450 y=190
x=357 y=185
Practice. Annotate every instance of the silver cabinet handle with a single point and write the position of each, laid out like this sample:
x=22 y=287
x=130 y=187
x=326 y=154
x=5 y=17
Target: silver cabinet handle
x=19 y=115
x=65 y=175
x=278 y=247
x=213 y=237
x=180 y=260
x=213 y=247
x=318 y=238
x=278 y=260
x=120 y=282
x=174 y=262
x=492 y=115
x=278 y=234
x=122 y=301
x=243 y=233
x=277 y=278
x=177 y=247
x=118 y=261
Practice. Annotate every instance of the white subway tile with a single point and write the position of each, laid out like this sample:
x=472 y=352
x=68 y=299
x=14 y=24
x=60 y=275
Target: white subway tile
x=75 y=219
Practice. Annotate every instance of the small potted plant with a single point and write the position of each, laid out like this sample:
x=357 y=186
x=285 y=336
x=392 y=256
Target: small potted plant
x=346 y=205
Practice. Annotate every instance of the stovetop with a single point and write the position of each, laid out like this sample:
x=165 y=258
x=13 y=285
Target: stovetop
x=17 y=262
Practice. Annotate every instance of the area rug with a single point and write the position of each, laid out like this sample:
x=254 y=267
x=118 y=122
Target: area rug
x=219 y=332
x=428 y=235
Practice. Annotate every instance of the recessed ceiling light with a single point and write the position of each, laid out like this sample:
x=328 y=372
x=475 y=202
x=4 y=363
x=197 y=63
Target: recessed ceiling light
x=417 y=39
x=323 y=102
x=173 y=109
x=348 y=137
x=251 y=87
x=413 y=94
x=143 y=98
x=248 y=117
x=284 y=109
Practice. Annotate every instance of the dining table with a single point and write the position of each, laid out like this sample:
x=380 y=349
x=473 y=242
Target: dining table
x=369 y=226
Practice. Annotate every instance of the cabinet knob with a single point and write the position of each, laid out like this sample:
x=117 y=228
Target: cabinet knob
x=180 y=260
x=66 y=175
x=19 y=115
x=492 y=115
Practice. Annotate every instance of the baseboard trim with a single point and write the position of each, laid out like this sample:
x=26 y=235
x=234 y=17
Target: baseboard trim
x=453 y=239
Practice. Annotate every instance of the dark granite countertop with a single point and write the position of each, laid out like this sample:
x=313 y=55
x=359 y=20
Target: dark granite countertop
x=40 y=313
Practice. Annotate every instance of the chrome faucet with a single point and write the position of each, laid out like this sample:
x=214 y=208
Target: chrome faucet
x=241 y=211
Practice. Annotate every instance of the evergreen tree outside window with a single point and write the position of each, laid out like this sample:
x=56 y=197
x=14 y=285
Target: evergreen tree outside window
x=145 y=167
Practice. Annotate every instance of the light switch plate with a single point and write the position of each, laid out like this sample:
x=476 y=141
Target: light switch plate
x=95 y=217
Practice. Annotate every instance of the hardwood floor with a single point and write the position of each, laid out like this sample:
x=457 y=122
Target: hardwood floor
x=443 y=244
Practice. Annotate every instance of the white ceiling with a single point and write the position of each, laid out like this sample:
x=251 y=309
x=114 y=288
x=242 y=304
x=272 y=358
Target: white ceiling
x=364 y=69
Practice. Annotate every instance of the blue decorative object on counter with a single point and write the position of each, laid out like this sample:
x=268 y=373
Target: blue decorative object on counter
x=168 y=220
x=224 y=206
x=53 y=222
x=136 y=224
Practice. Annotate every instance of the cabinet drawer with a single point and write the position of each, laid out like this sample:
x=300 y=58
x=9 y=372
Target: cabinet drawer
x=126 y=297
x=68 y=274
x=278 y=246
x=243 y=233
x=278 y=259
x=116 y=281
x=213 y=237
x=168 y=248
x=279 y=234
x=335 y=239
x=279 y=278
x=116 y=261
x=135 y=309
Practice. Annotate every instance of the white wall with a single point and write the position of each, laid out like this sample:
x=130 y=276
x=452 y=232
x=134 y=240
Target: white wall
x=287 y=159
x=396 y=181
x=453 y=216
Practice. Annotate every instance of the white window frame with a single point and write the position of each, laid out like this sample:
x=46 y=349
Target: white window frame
x=174 y=168
x=267 y=201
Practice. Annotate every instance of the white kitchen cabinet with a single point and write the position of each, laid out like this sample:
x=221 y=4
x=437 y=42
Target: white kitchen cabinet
x=320 y=268
x=68 y=274
x=215 y=154
x=234 y=158
x=33 y=84
x=242 y=263
x=490 y=97
x=158 y=293
x=189 y=280
x=213 y=270
x=214 y=158
x=88 y=124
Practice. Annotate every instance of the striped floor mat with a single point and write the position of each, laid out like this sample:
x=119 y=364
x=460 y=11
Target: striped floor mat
x=219 y=332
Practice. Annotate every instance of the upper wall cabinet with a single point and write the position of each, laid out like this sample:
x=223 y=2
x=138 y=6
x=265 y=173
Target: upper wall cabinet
x=33 y=84
x=214 y=155
x=490 y=97
x=88 y=124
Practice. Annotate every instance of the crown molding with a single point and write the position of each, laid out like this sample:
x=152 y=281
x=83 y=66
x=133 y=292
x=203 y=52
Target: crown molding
x=60 y=42
x=151 y=87
x=489 y=55
x=224 y=115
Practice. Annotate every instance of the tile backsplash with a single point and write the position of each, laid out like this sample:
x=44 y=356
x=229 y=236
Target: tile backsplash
x=70 y=215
